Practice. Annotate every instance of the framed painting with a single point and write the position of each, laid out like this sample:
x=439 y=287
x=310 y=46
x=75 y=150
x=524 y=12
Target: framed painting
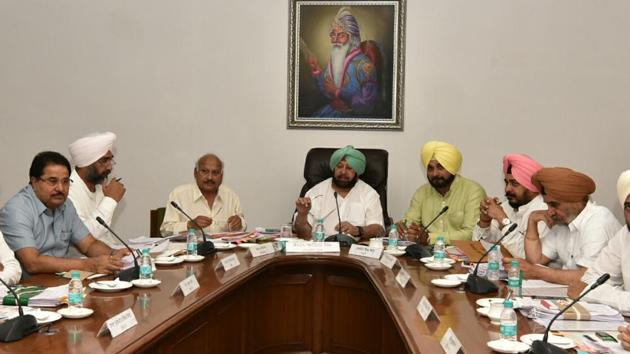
x=346 y=62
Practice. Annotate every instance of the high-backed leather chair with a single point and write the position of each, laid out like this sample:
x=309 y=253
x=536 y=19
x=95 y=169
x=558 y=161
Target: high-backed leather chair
x=156 y=216
x=317 y=169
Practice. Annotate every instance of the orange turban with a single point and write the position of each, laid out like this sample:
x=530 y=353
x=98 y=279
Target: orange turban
x=563 y=184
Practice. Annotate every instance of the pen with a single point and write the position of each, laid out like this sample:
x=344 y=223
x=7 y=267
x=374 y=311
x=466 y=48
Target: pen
x=589 y=338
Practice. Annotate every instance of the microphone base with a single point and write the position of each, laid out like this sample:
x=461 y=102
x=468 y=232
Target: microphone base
x=17 y=328
x=129 y=274
x=478 y=285
x=343 y=239
x=417 y=251
x=205 y=248
x=540 y=347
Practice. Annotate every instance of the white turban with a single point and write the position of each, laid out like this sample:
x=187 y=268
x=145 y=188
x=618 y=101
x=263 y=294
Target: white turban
x=623 y=186
x=88 y=149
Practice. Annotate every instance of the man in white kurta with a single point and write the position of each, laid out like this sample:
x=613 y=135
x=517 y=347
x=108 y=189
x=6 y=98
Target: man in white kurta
x=359 y=204
x=10 y=270
x=92 y=194
x=522 y=199
x=213 y=206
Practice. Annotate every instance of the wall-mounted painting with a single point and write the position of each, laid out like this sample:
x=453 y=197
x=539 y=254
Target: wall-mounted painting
x=346 y=62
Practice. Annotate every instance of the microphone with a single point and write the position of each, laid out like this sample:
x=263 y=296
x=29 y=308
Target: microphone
x=18 y=327
x=541 y=346
x=417 y=251
x=343 y=239
x=127 y=274
x=478 y=285
x=204 y=248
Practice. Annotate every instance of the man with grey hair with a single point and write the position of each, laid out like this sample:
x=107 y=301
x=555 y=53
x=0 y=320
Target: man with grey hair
x=214 y=207
x=349 y=82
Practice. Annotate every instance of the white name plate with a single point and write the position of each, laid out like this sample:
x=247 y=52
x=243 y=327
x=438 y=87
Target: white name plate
x=229 y=262
x=365 y=251
x=450 y=343
x=312 y=247
x=388 y=260
x=118 y=324
x=403 y=277
x=262 y=249
x=187 y=286
x=424 y=308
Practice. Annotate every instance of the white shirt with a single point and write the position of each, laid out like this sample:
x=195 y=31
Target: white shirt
x=580 y=243
x=12 y=271
x=360 y=207
x=614 y=260
x=514 y=241
x=190 y=199
x=89 y=205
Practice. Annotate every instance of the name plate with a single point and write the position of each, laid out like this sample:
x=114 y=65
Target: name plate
x=229 y=262
x=403 y=277
x=365 y=251
x=312 y=247
x=187 y=286
x=118 y=324
x=388 y=260
x=450 y=343
x=424 y=308
x=262 y=249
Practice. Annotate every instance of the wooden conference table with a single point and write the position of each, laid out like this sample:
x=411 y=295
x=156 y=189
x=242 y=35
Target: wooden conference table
x=306 y=303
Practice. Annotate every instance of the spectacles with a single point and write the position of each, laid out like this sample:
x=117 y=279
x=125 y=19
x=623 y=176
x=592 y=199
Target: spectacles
x=335 y=35
x=52 y=181
x=214 y=173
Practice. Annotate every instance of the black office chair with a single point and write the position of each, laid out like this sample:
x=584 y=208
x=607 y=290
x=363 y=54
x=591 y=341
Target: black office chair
x=317 y=169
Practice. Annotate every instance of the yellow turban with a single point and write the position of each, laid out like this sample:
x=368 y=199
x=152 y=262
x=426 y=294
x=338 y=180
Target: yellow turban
x=623 y=187
x=446 y=154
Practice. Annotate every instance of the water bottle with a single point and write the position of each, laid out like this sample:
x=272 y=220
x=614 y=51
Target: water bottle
x=509 y=326
x=319 y=234
x=494 y=263
x=191 y=243
x=439 y=250
x=393 y=238
x=514 y=278
x=146 y=269
x=75 y=290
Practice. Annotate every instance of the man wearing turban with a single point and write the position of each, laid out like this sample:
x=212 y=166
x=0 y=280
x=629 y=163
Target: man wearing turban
x=359 y=204
x=522 y=199
x=445 y=188
x=90 y=190
x=214 y=206
x=579 y=228
x=614 y=259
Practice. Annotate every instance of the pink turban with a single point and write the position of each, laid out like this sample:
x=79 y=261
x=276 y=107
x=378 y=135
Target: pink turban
x=523 y=168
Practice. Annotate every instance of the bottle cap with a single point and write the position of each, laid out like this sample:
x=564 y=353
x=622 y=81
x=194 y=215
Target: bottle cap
x=515 y=263
x=440 y=238
x=393 y=227
x=75 y=274
x=145 y=250
x=508 y=304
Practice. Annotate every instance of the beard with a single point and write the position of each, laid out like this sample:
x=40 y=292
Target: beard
x=94 y=177
x=337 y=56
x=516 y=202
x=440 y=182
x=345 y=184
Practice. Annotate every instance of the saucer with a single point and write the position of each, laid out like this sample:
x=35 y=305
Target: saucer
x=395 y=252
x=222 y=246
x=461 y=277
x=508 y=346
x=430 y=260
x=75 y=312
x=562 y=342
x=483 y=311
x=446 y=283
x=168 y=260
x=486 y=302
x=146 y=283
x=110 y=286
x=438 y=266
x=191 y=258
x=42 y=317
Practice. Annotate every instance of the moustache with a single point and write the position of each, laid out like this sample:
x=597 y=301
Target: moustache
x=510 y=195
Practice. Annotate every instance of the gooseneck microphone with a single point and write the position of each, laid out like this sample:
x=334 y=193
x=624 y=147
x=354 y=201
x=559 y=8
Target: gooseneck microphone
x=343 y=239
x=127 y=274
x=204 y=248
x=478 y=285
x=17 y=327
x=419 y=251
x=436 y=217
x=542 y=346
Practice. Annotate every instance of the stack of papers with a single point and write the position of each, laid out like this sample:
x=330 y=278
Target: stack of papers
x=535 y=287
x=50 y=297
x=583 y=316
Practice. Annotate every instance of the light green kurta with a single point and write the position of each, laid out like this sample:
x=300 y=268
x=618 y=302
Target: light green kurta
x=463 y=201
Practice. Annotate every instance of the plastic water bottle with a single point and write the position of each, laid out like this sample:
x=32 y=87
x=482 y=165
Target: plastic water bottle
x=514 y=278
x=319 y=234
x=146 y=269
x=494 y=263
x=393 y=238
x=191 y=243
x=75 y=290
x=509 y=325
x=439 y=250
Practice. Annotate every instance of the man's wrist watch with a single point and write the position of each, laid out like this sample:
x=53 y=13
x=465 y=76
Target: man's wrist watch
x=505 y=222
x=360 y=228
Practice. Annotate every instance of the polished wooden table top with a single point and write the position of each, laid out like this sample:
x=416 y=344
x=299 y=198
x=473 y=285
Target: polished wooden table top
x=156 y=310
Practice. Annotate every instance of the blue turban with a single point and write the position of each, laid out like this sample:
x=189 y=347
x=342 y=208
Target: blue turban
x=354 y=158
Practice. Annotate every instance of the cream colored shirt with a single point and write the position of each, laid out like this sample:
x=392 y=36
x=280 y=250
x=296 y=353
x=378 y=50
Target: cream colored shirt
x=12 y=271
x=90 y=205
x=514 y=241
x=190 y=199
